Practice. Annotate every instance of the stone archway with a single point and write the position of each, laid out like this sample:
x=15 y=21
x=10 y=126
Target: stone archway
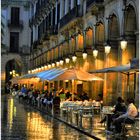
x=112 y=59
x=98 y=63
x=13 y=68
x=6 y=59
x=128 y=90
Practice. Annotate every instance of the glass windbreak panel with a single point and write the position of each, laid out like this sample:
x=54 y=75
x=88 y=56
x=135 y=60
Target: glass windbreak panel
x=58 y=12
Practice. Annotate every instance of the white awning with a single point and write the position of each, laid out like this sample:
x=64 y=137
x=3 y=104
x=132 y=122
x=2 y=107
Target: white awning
x=75 y=74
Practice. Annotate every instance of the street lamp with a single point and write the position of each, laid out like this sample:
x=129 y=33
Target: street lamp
x=49 y=66
x=53 y=64
x=107 y=44
x=123 y=41
x=84 y=54
x=107 y=47
x=45 y=67
x=61 y=62
x=29 y=71
x=57 y=63
x=67 y=60
x=74 y=57
x=13 y=73
x=95 y=51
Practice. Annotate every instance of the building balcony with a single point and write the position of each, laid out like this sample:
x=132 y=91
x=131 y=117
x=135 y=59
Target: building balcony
x=15 y=24
x=73 y=13
x=51 y=30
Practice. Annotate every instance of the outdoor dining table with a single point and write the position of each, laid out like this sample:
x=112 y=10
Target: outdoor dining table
x=85 y=111
x=69 y=111
x=108 y=119
x=107 y=111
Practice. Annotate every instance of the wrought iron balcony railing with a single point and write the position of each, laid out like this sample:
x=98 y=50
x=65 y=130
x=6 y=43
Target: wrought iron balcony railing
x=15 y=24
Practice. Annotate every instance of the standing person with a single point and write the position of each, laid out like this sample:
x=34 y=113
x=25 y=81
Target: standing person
x=128 y=117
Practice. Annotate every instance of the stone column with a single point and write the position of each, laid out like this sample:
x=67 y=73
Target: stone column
x=79 y=2
x=66 y=6
x=56 y=12
x=84 y=38
x=3 y=76
x=61 y=8
x=51 y=17
x=36 y=33
x=137 y=75
x=137 y=44
x=72 y=4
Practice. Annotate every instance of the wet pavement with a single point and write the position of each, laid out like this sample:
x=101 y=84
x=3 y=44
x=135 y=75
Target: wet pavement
x=20 y=122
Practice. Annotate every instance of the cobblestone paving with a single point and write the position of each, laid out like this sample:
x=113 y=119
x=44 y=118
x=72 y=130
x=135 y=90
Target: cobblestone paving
x=19 y=122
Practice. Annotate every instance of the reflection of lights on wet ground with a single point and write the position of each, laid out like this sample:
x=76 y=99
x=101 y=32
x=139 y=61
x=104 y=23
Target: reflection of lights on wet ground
x=15 y=111
x=10 y=111
x=37 y=127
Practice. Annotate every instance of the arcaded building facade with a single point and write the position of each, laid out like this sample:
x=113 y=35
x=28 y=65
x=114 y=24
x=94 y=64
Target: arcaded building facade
x=62 y=29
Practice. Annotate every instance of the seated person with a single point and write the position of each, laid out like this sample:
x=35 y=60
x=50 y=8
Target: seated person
x=128 y=117
x=85 y=96
x=120 y=108
x=56 y=100
x=68 y=94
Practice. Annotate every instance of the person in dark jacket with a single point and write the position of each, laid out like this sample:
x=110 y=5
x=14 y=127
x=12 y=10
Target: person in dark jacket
x=120 y=108
x=128 y=117
x=56 y=104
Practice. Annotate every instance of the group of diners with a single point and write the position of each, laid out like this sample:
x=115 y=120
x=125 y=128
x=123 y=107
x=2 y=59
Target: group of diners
x=47 y=98
x=122 y=112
